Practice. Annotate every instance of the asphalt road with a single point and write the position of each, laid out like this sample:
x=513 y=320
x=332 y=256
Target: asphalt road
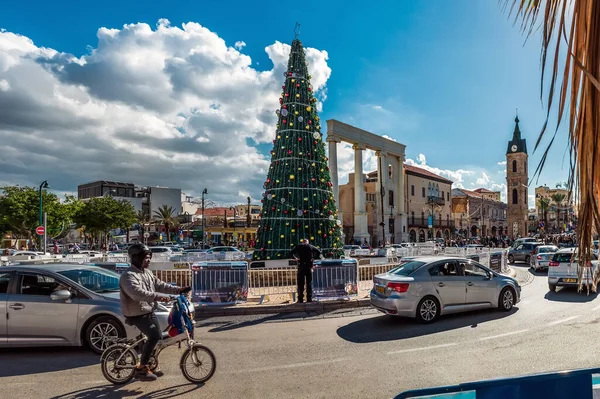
x=344 y=354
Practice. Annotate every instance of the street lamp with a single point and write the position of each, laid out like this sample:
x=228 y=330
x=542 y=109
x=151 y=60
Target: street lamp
x=205 y=191
x=42 y=186
x=248 y=215
x=392 y=225
x=231 y=208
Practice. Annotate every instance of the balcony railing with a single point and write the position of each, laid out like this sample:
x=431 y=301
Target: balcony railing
x=432 y=199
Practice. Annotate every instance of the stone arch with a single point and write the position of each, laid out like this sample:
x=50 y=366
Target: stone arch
x=447 y=234
x=438 y=234
x=421 y=235
x=473 y=231
x=413 y=235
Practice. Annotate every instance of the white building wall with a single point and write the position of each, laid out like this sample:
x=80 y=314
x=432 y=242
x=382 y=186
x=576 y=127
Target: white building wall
x=160 y=196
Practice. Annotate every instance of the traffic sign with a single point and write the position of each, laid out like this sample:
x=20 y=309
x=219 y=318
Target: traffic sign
x=430 y=221
x=40 y=230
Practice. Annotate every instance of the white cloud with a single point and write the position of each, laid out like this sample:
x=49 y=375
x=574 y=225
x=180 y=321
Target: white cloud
x=239 y=44
x=531 y=201
x=457 y=176
x=170 y=106
x=502 y=163
x=4 y=85
x=483 y=180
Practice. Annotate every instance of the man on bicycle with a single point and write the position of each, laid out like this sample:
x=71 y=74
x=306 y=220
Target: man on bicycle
x=139 y=299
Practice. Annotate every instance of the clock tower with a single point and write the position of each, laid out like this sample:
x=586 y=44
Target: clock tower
x=517 y=179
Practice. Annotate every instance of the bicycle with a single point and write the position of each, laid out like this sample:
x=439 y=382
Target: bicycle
x=119 y=360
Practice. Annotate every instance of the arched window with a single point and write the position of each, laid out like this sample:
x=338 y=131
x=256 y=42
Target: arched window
x=514 y=164
x=515 y=199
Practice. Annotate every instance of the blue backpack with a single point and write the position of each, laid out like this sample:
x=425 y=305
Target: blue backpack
x=179 y=318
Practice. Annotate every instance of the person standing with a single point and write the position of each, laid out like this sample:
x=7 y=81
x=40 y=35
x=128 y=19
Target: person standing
x=304 y=253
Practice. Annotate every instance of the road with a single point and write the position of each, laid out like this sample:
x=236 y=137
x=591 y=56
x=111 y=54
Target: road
x=344 y=354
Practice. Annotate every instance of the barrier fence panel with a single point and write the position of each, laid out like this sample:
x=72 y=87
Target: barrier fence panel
x=219 y=283
x=181 y=277
x=263 y=282
x=367 y=272
x=495 y=262
x=335 y=279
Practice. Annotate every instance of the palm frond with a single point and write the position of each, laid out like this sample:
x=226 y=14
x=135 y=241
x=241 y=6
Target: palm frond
x=574 y=28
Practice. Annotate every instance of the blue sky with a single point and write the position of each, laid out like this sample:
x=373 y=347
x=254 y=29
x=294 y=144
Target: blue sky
x=444 y=78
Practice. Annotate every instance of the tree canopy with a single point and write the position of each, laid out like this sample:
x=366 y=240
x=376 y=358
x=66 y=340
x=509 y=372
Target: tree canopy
x=99 y=215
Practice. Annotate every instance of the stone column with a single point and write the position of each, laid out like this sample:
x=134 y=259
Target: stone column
x=361 y=231
x=333 y=170
x=382 y=178
x=401 y=218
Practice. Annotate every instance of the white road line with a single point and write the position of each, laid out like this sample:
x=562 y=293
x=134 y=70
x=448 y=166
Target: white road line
x=424 y=348
x=503 y=335
x=563 y=320
x=293 y=365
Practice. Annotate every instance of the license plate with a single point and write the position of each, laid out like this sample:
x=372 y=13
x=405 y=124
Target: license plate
x=570 y=280
x=379 y=289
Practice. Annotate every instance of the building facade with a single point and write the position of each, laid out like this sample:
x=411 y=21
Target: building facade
x=154 y=198
x=517 y=180
x=117 y=190
x=477 y=214
x=428 y=203
x=554 y=209
x=489 y=194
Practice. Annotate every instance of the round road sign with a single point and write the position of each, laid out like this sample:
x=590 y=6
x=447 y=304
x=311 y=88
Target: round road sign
x=39 y=230
x=146 y=235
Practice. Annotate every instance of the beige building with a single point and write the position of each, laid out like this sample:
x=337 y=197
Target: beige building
x=488 y=194
x=428 y=203
x=560 y=210
x=477 y=215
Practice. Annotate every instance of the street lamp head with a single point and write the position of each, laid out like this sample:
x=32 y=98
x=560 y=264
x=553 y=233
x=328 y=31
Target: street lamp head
x=205 y=191
x=44 y=184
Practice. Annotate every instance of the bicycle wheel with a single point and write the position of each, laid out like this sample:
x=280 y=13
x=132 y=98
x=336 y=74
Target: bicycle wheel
x=200 y=367
x=122 y=372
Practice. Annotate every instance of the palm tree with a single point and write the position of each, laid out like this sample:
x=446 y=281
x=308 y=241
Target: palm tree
x=558 y=199
x=143 y=218
x=166 y=215
x=570 y=27
x=543 y=204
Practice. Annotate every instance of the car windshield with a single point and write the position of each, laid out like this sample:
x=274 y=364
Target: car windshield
x=97 y=280
x=543 y=250
x=407 y=268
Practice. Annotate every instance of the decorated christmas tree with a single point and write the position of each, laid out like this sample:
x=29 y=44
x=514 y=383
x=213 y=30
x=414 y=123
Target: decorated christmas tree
x=298 y=199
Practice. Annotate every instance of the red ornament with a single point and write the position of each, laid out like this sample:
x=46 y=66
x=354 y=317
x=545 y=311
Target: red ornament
x=273 y=208
x=330 y=212
x=283 y=87
x=285 y=212
x=313 y=179
x=324 y=235
x=262 y=249
x=304 y=211
x=285 y=106
x=290 y=73
x=289 y=152
x=297 y=84
x=299 y=138
x=308 y=155
x=309 y=122
x=309 y=89
x=287 y=94
x=273 y=141
x=314 y=142
x=284 y=121
x=303 y=184
x=281 y=101
x=326 y=202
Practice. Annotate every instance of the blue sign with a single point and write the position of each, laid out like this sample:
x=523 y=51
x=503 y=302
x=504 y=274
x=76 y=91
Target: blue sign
x=430 y=221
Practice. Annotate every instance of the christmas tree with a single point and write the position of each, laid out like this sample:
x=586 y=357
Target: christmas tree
x=298 y=199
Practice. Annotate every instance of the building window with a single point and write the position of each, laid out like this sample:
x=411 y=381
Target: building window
x=412 y=190
x=391 y=197
x=390 y=172
x=442 y=196
x=515 y=196
x=422 y=218
x=423 y=191
x=412 y=216
x=370 y=197
x=514 y=166
x=448 y=196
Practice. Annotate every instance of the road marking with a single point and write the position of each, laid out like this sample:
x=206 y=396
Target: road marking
x=503 y=335
x=293 y=365
x=563 y=320
x=424 y=348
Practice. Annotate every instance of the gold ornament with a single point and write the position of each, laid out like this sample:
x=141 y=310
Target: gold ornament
x=292 y=177
x=297 y=95
x=293 y=230
x=282 y=236
x=291 y=124
x=308 y=108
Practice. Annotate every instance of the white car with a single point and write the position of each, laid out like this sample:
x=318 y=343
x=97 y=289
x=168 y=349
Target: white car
x=542 y=255
x=563 y=269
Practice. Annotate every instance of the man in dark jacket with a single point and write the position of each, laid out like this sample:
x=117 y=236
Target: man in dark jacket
x=139 y=299
x=304 y=254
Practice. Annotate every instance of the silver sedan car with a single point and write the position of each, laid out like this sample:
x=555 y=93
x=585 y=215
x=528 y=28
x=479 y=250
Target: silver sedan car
x=426 y=287
x=63 y=305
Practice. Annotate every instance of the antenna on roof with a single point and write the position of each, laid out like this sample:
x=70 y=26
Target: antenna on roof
x=296 y=30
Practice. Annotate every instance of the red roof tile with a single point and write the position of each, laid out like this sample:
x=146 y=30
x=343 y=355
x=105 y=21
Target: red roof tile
x=425 y=173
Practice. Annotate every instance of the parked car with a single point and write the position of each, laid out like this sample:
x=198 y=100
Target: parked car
x=429 y=286
x=523 y=252
x=520 y=241
x=224 y=252
x=563 y=270
x=542 y=256
x=63 y=305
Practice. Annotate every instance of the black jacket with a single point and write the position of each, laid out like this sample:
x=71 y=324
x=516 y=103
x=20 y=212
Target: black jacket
x=305 y=253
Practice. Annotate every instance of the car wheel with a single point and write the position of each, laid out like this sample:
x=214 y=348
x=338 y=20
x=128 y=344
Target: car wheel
x=506 y=299
x=511 y=259
x=552 y=287
x=101 y=333
x=428 y=310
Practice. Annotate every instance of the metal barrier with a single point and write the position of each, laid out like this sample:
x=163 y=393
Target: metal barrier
x=219 y=283
x=264 y=282
x=335 y=279
x=182 y=278
x=367 y=272
x=580 y=384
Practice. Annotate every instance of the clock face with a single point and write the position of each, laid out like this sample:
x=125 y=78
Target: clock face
x=514 y=148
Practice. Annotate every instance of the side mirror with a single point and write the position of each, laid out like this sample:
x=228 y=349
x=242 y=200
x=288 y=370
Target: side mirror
x=61 y=295
x=490 y=276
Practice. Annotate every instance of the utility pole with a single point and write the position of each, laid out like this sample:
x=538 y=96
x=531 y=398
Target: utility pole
x=205 y=191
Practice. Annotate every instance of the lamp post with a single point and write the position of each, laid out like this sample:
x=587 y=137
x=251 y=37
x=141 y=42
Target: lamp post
x=42 y=186
x=392 y=225
x=232 y=208
x=205 y=191
x=248 y=215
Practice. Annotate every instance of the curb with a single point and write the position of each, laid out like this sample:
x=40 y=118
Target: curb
x=289 y=308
